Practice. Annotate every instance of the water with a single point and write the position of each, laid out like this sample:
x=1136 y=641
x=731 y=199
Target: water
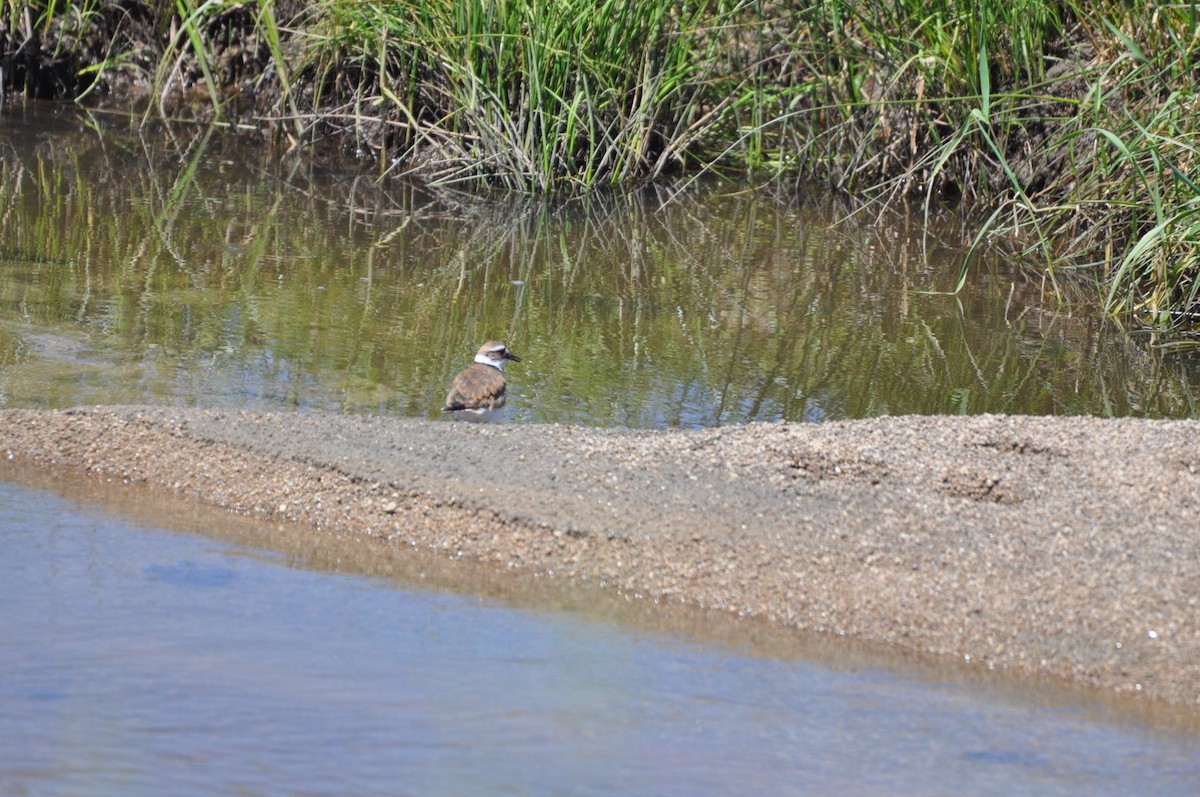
x=185 y=268
x=138 y=660
x=198 y=268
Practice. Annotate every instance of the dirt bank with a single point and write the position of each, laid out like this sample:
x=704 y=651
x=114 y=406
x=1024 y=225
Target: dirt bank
x=1061 y=545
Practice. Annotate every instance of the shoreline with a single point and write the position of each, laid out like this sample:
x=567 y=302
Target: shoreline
x=1062 y=546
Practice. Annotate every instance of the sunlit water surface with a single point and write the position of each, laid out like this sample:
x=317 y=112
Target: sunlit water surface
x=138 y=660
x=194 y=267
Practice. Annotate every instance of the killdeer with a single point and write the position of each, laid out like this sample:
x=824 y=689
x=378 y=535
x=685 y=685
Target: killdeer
x=479 y=389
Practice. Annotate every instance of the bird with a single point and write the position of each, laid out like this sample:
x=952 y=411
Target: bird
x=479 y=390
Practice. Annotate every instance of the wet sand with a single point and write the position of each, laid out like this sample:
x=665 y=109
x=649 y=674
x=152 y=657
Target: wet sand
x=1067 y=546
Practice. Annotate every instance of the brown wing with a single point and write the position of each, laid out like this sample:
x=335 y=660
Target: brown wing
x=478 y=387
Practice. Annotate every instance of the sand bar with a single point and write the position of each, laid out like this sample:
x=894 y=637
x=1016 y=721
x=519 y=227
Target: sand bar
x=1067 y=546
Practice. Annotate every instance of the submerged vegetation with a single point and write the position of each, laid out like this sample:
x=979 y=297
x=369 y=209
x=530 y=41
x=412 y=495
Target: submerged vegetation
x=1073 y=124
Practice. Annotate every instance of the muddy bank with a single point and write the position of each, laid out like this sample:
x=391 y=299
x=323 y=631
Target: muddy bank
x=1059 y=545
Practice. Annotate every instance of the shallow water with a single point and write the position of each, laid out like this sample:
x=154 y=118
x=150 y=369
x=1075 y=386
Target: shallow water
x=191 y=267
x=142 y=660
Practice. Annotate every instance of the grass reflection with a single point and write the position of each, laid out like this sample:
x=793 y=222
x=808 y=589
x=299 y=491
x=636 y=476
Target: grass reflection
x=184 y=268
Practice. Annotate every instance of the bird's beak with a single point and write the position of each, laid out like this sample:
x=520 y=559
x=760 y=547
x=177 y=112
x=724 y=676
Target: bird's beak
x=511 y=356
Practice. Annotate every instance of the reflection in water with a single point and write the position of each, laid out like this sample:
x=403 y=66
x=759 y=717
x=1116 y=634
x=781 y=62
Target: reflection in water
x=140 y=661
x=190 y=268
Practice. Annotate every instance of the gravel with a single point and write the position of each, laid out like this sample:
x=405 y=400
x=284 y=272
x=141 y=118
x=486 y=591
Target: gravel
x=1066 y=546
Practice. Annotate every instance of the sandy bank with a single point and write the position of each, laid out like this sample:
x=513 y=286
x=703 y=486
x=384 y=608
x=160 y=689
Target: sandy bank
x=1062 y=545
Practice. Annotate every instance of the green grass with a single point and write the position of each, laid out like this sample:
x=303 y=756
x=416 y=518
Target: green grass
x=525 y=95
x=1070 y=124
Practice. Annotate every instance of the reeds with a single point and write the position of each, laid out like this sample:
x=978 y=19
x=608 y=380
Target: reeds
x=1072 y=123
x=529 y=96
